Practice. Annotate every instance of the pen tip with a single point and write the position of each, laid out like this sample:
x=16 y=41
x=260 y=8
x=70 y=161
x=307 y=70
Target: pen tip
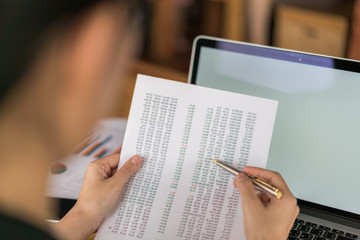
x=214 y=160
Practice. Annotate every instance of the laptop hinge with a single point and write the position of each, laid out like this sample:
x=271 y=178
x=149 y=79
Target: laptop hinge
x=329 y=216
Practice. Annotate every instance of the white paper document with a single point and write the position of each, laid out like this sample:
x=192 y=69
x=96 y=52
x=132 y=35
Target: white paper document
x=178 y=193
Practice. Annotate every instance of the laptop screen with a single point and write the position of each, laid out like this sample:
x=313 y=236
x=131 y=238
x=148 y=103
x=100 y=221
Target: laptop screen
x=316 y=137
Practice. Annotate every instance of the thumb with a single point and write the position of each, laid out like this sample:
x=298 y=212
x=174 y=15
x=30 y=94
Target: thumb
x=247 y=192
x=129 y=168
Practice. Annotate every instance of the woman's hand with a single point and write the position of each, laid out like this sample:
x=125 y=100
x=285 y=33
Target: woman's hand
x=101 y=189
x=266 y=217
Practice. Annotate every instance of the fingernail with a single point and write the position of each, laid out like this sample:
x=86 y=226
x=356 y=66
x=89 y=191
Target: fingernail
x=240 y=178
x=135 y=160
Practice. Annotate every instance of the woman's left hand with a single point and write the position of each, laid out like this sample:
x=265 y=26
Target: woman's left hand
x=101 y=189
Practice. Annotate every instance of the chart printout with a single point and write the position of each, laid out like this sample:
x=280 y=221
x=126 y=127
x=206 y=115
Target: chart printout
x=178 y=193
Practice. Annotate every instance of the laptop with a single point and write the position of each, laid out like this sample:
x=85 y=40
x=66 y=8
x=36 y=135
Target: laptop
x=316 y=137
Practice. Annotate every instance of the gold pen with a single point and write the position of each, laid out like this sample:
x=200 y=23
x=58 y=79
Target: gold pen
x=258 y=182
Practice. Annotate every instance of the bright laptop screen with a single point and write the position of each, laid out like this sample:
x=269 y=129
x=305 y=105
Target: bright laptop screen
x=316 y=138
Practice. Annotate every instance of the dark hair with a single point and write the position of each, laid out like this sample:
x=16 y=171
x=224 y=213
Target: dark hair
x=24 y=25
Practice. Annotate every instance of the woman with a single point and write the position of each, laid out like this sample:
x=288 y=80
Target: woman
x=59 y=66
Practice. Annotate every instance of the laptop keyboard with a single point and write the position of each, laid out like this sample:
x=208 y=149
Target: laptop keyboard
x=313 y=231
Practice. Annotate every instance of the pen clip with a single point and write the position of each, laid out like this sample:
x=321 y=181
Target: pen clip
x=263 y=185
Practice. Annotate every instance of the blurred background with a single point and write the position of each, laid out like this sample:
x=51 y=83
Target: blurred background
x=318 y=26
x=330 y=27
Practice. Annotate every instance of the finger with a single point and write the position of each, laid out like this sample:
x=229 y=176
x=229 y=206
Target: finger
x=247 y=192
x=269 y=176
x=264 y=198
x=112 y=160
x=113 y=171
x=128 y=169
x=103 y=166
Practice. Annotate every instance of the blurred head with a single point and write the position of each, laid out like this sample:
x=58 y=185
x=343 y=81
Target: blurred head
x=60 y=62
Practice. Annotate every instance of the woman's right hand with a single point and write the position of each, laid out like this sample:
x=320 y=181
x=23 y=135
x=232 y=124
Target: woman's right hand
x=266 y=217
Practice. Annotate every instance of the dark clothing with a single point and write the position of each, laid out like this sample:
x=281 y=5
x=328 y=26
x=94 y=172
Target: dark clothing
x=12 y=228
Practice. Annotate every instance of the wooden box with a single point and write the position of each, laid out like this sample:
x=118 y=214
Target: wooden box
x=310 y=31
